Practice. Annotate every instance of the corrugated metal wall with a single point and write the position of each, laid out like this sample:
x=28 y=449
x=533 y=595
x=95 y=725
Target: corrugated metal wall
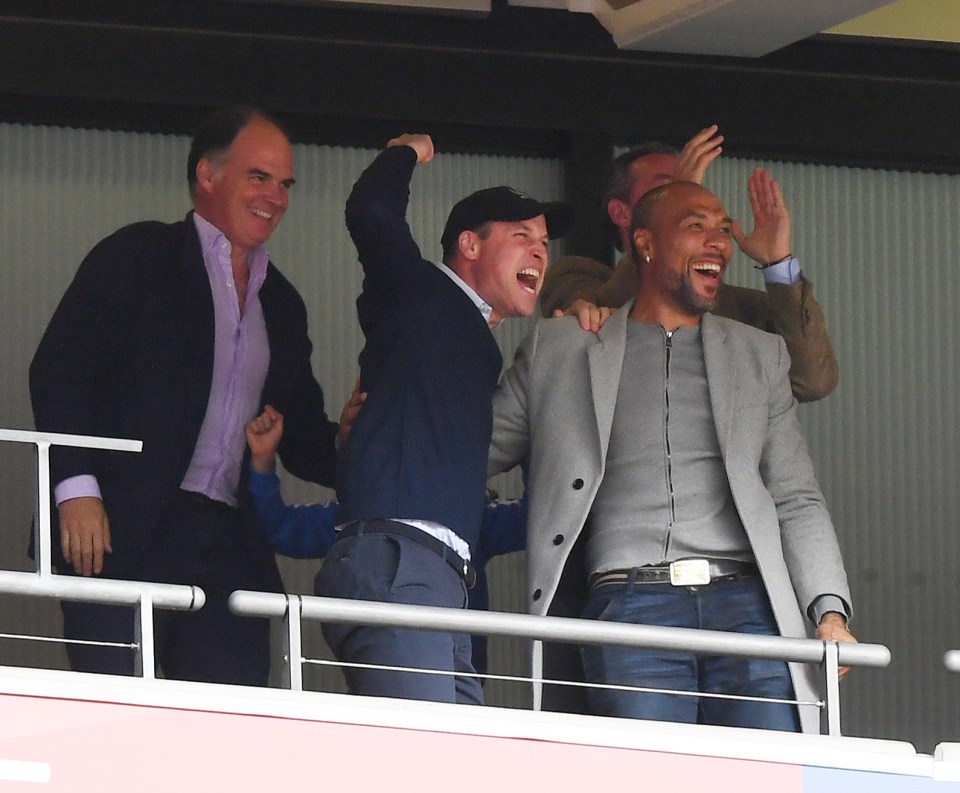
x=881 y=248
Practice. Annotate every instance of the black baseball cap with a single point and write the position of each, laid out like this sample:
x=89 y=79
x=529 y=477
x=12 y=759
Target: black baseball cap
x=503 y=204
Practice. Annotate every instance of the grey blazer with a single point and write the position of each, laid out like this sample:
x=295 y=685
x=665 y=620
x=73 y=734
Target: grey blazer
x=555 y=406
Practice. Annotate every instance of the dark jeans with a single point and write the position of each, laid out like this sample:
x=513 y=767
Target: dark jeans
x=737 y=604
x=200 y=546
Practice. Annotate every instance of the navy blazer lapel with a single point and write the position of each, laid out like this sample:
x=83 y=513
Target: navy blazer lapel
x=196 y=283
x=198 y=318
x=722 y=377
x=280 y=337
x=606 y=365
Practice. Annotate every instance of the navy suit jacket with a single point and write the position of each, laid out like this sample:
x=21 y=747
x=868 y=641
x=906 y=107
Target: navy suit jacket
x=129 y=354
x=430 y=364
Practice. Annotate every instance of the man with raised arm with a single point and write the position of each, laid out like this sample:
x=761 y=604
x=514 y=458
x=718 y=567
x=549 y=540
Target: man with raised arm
x=412 y=474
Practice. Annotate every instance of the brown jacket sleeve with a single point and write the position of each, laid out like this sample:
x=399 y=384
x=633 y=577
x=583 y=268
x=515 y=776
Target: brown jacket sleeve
x=793 y=313
x=572 y=278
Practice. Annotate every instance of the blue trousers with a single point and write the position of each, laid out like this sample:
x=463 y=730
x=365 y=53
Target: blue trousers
x=385 y=567
x=736 y=604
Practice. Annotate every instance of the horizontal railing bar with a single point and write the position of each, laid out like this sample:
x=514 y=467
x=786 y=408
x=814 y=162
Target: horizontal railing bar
x=27 y=637
x=418 y=670
x=176 y=597
x=562 y=629
x=62 y=439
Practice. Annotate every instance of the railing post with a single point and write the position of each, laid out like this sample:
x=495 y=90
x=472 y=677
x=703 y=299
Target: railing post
x=41 y=526
x=830 y=717
x=145 y=663
x=293 y=645
x=141 y=595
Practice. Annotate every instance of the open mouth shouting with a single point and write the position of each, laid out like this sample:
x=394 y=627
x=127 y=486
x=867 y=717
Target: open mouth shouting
x=709 y=269
x=529 y=279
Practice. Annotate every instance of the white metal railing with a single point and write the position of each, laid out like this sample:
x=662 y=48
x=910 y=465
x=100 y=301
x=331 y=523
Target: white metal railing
x=295 y=608
x=830 y=656
x=45 y=583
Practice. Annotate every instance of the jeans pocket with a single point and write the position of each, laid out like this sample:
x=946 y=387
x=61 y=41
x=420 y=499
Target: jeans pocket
x=605 y=604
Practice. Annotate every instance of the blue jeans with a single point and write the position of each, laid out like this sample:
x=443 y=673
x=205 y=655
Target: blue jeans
x=735 y=604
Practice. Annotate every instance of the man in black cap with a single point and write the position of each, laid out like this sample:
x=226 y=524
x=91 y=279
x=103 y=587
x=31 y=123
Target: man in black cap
x=411 y=476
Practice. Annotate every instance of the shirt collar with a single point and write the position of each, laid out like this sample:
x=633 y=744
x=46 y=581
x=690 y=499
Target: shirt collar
x=485 y=309
x=210 y=238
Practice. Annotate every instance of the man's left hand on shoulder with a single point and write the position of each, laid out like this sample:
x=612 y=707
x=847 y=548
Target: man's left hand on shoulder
x=591 y=317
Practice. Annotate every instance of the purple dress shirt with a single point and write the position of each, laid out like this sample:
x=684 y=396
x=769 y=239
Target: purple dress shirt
x=240 y=361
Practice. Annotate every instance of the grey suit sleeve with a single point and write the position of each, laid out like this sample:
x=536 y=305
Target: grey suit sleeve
x=809 y=541
x=824 y=605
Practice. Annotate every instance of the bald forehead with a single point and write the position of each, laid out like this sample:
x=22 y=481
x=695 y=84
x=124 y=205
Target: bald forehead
x=687 y=195
x=674 y=201
x=261 y=129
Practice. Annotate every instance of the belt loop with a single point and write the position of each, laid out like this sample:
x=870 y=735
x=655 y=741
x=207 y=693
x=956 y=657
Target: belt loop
x=632 y=577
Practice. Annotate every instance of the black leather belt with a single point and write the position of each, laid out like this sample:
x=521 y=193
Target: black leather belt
x=684 y=572
x=464 y=569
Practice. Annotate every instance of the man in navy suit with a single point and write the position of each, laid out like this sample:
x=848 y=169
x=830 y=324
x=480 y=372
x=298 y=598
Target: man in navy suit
x=178 y=334
x=412 y=475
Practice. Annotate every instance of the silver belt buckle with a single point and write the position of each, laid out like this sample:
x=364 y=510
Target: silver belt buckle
x=690 y=572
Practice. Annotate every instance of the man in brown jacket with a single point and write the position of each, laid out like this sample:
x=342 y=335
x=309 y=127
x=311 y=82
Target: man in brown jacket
x=588 y=288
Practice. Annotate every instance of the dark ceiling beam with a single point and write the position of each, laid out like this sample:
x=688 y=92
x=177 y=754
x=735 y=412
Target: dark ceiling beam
x=519 y=81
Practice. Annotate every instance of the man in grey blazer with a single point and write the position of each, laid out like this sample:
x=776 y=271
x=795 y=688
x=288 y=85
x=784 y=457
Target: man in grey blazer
x=669 y=444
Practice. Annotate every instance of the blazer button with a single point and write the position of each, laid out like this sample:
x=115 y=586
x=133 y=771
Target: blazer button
x=558 y=540
x=537 y=593
x=577 y=484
